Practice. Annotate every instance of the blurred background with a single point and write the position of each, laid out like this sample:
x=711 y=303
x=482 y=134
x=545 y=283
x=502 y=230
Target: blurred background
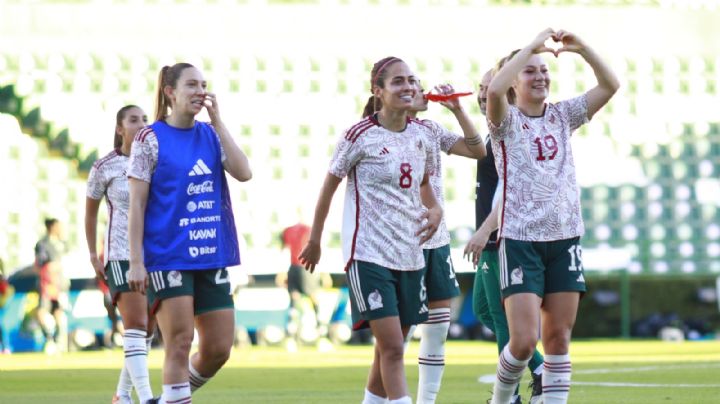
x=292 y=75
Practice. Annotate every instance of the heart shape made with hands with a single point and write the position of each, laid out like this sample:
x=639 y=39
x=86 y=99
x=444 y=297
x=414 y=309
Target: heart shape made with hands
x=554 y=44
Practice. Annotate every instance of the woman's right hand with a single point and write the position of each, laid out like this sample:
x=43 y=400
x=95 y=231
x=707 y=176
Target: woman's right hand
x=310 y=255
x=538 y=44
x=98 y=267
x=137 y=278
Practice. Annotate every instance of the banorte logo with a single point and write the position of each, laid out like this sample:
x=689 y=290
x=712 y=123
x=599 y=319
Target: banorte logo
x=197 y=189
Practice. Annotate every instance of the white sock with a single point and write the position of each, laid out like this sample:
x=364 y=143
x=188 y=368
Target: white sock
x=136 y=362
x=371 y=398
x=196 y=380
x=401 y=400
x=431 y=359
x=556 y=379
x=124 y=387
x=509 y=373
x=176 y=394
x=148 y=342
x=409 y=336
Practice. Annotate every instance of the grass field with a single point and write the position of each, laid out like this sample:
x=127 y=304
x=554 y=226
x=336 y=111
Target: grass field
x=603 y=372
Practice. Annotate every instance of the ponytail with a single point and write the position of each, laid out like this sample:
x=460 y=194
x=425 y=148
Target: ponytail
x=168 y=76
x=372 y=106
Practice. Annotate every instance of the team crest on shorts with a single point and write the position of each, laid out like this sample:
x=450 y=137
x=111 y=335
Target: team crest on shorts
x=375 y=300
x=516 y=276
x=174 y=279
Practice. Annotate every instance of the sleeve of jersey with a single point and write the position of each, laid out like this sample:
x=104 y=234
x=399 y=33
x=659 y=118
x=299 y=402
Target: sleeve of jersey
x=501 y=131
x=574 y=111
x=143 y=157
x=347 y=153
x=95 y=187
x=445 y=138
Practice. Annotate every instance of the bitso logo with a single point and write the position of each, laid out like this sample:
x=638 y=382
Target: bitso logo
x=194 y=252
x=200 y=168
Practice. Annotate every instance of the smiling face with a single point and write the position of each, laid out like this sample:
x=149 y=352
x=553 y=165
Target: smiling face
x=400 y=88
x=188 y=96
x=532 y=84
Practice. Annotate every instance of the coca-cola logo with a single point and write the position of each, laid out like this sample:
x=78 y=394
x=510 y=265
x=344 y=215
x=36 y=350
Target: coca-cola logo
x=197 y=189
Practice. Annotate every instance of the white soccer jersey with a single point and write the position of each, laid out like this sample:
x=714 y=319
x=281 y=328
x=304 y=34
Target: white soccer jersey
x=108 y=177
x=382 y=199
x=443 y=140
x=534 y=161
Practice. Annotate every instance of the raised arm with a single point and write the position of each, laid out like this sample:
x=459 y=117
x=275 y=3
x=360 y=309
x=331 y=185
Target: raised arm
x=310 y=255
x=236 y=162
x=497 y=103
x=607 y=82
x=472 y=144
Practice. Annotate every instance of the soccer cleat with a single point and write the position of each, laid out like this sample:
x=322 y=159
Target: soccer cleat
x=536 y=387
x=517 y=400
x=155 y=400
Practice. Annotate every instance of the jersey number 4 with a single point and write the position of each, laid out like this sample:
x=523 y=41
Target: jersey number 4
x=405 y=175
x=550 y=143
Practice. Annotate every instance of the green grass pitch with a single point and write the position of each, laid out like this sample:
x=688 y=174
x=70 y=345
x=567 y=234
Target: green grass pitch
x=604 y=371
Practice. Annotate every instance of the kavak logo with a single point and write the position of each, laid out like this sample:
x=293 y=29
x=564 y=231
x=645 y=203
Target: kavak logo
x=200 y=168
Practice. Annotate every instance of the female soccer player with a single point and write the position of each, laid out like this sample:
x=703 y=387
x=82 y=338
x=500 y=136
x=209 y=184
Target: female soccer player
x=108 y=179
x=182 y=229
x=440 y=278
x=541 y=270
x=386 y=159
x=487 y=300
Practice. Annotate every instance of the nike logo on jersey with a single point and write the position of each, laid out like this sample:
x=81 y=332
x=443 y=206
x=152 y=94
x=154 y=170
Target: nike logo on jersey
x=200 y=168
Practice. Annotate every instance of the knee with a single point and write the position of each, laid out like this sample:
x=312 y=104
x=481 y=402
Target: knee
x=522 y=347
x=392 y=353
x=557 y=340
x=178 y=346
x=216 y=354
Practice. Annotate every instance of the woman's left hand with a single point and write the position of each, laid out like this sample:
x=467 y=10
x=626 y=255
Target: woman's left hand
x=452 y=104
x=570 y=42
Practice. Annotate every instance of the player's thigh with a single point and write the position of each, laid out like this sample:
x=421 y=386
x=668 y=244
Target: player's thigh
x=165 y=285
x=216 y=330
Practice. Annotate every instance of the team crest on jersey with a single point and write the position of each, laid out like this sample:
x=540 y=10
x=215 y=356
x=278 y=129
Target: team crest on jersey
x=375 y=300
x=516 y=276
x=581 y=278
x=174 y=279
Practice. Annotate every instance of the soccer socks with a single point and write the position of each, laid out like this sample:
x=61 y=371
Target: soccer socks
x=124 y=387
x=431 y=359
x=556 y=379
x=176 y=394
x=135 y=349
x=196 y=380
x=509 y=373
x=371 y=398
x=402 y=400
